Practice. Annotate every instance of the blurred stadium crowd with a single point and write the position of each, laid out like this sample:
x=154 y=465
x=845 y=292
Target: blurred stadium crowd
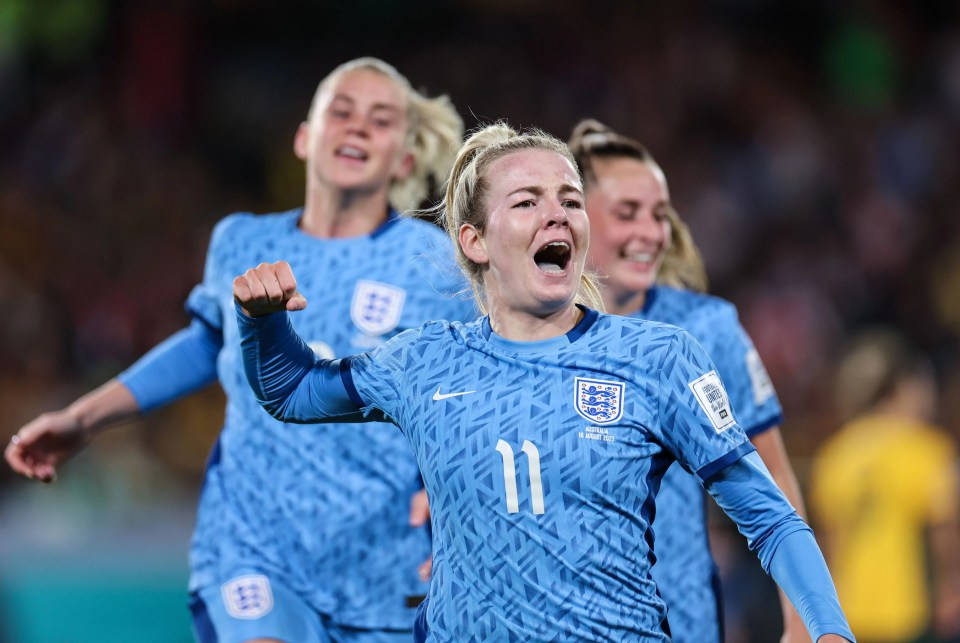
x=811 y=146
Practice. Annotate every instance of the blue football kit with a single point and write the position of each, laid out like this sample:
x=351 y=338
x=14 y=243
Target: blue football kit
x=287 y=510
x=542 y=461
x=685 y=571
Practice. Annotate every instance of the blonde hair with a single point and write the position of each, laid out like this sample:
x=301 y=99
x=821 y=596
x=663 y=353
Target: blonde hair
x=877 y=360
x=434 y=131
x=682 y=266
x=466 y=191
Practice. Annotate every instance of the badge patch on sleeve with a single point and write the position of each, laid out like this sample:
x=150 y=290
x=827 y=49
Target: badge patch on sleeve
x=709 y=391
x=247 y=596
x=759 y=378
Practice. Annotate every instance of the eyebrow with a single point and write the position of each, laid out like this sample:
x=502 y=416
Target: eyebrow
x=537 y=190
x=348 y=99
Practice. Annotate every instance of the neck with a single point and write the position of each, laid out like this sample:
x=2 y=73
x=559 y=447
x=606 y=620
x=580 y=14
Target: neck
x=623 y=302
x=330 y=213
x=524 y=326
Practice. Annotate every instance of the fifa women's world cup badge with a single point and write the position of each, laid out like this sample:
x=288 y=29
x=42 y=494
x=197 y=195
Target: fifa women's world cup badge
x=599 y=401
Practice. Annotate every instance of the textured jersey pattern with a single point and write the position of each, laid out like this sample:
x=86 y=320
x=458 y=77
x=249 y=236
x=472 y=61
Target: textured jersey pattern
x=542 y=460
x=324 y=510
x=685 y=572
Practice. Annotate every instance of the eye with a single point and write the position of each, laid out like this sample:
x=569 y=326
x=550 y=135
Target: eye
x=383 y=123
x=339 y=114
x=624 y=214
x=526 y=203
x=660 y=216
x=576 y=204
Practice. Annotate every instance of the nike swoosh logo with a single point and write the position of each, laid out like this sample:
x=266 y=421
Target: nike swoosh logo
x=442 y=396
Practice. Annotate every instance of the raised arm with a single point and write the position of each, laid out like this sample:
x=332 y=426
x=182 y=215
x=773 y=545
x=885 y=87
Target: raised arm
x=287 y=378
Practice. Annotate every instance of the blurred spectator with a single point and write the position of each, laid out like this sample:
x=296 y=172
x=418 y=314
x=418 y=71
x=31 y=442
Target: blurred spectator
x=886 y=492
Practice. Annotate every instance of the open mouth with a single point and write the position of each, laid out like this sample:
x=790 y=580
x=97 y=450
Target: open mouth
x=351 y=152
x=553 y=257
x=640 y=257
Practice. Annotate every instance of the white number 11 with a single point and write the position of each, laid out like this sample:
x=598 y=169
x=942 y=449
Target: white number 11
x=510 y=476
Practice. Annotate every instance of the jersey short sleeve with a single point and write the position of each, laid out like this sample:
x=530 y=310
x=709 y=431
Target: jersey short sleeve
x=697 y=419
x=203 y=303
x=749 y=386
x=375 y=380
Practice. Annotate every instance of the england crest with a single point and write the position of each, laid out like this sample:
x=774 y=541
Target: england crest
x=376 y=306
x=599 y=401
x=247 y=596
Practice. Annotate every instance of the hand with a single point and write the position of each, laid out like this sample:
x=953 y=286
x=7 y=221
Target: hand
x=425 y=570
x=795 y=635
x=268 y=288
x=41 y=446
x=419 y=515
x=419 y=509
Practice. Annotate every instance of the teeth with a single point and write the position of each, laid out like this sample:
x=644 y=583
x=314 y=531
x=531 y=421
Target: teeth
x=352 y=152
x=558 y=244
x=640 y=256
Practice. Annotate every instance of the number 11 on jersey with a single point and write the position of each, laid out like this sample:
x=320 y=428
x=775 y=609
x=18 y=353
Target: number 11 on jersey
x=510 y=476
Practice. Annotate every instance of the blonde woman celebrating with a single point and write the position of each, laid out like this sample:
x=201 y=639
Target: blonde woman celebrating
x=287 y=547
x=543 y=430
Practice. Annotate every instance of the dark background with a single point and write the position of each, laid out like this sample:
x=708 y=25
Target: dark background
x=810 y=145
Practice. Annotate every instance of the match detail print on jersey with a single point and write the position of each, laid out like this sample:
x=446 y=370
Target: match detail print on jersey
x=713 y=399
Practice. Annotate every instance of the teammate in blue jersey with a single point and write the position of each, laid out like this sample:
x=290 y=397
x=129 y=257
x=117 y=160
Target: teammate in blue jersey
x=305 y=535
x=651 y=269
x=543 y=430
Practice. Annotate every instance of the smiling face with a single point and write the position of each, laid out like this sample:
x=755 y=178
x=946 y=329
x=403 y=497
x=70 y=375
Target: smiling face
x=355 y=137
x=627 y=201
x=533 y=245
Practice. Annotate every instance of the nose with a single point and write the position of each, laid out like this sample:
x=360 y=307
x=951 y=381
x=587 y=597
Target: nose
x=557 y=216
x=357 y=124
x=649 y=229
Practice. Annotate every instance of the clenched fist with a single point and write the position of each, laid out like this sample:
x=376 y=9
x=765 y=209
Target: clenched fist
x=268 y=288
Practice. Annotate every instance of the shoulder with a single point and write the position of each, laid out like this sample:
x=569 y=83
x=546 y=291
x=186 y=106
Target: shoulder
x=409 y=227
x=696 y=305
x=241 y=224
x=644 y=335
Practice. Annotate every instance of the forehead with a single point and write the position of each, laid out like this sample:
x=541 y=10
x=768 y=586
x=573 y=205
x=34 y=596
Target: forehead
x=368 y=87
x=530 y=168
x=625 y=174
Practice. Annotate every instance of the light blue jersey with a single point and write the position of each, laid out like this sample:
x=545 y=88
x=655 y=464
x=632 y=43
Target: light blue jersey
x=685 y=571
x=542 y=460
x=325 y=513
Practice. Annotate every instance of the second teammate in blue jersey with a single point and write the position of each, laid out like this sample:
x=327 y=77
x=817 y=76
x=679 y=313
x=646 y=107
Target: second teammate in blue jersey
x=651 y=269
x=305 y=535
x=543 y=430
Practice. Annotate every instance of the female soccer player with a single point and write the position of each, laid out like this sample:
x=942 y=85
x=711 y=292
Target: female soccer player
x=651 y=269
x=305 y=535
x=543 y=430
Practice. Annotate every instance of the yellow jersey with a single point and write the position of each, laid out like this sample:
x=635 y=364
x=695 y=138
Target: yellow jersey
x=877 y=485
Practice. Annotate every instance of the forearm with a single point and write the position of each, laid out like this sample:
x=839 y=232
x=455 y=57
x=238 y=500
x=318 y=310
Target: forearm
x=108 y=405
x=287 y=378
x=771 y=450
x=782 y=541
x=799 y=569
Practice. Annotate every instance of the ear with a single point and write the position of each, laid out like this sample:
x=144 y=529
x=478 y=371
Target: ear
x=301 y=141
x=404 y=167
x=473 y=245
